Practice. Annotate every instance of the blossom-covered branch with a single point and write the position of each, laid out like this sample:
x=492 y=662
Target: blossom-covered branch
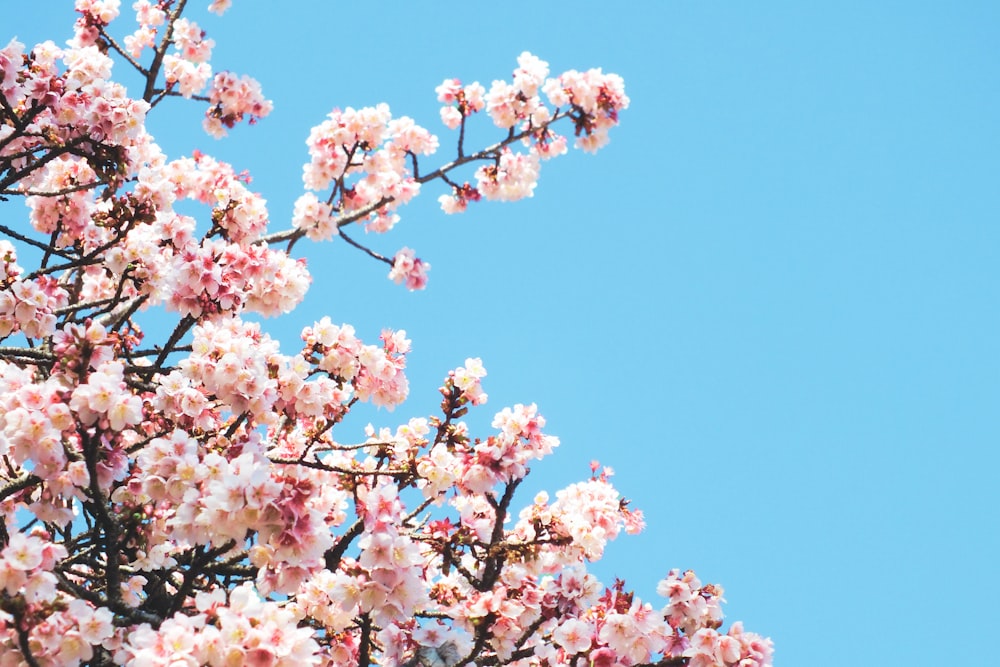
x=189 y=498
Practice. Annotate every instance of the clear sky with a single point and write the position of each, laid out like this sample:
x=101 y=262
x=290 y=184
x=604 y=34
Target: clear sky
x=770 y=303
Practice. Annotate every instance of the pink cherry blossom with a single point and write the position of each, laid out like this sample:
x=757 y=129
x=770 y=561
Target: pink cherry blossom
x=574 y=635
x=513 y=177
x=409 y=269
x=232 y=99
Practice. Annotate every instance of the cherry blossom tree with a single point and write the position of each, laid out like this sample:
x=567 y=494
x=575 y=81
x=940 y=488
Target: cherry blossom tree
x=190 y=500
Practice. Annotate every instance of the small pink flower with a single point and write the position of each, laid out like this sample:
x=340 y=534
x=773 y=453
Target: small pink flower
x=406 y=267
x=573 y=635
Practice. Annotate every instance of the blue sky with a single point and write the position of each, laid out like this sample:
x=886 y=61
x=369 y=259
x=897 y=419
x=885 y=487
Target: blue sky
x=770 y=303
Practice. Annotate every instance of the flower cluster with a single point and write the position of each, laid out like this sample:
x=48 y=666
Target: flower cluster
x=596 y=100
x=104 y=396
x=314 y=217
x=32 y=421
x=591 y=513
x=94 y=14
x=509 y=104
x=188 y=67
x=691 y=606
x=591 y=99
x=504 y=457
x=149 y=17
x=409 y=269
x=67 y=636
x=458 y=201
x=366 y=154
x=26 y=564
x=60 y=630
x=233 y=361
x=392 y=585
x=68 y=215
x=78 y=106
x=217 y=277
x=240 y=214
x=26 y=306
x=216 y=495
x=461 y=101
x=735 y=648
x=373 y=373
x=513 y=177
x=468 y=380
x=232 y=99
x=240 y=630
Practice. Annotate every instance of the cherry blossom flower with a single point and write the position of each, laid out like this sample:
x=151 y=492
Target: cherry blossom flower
x=574 y=635
x=408 y=268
